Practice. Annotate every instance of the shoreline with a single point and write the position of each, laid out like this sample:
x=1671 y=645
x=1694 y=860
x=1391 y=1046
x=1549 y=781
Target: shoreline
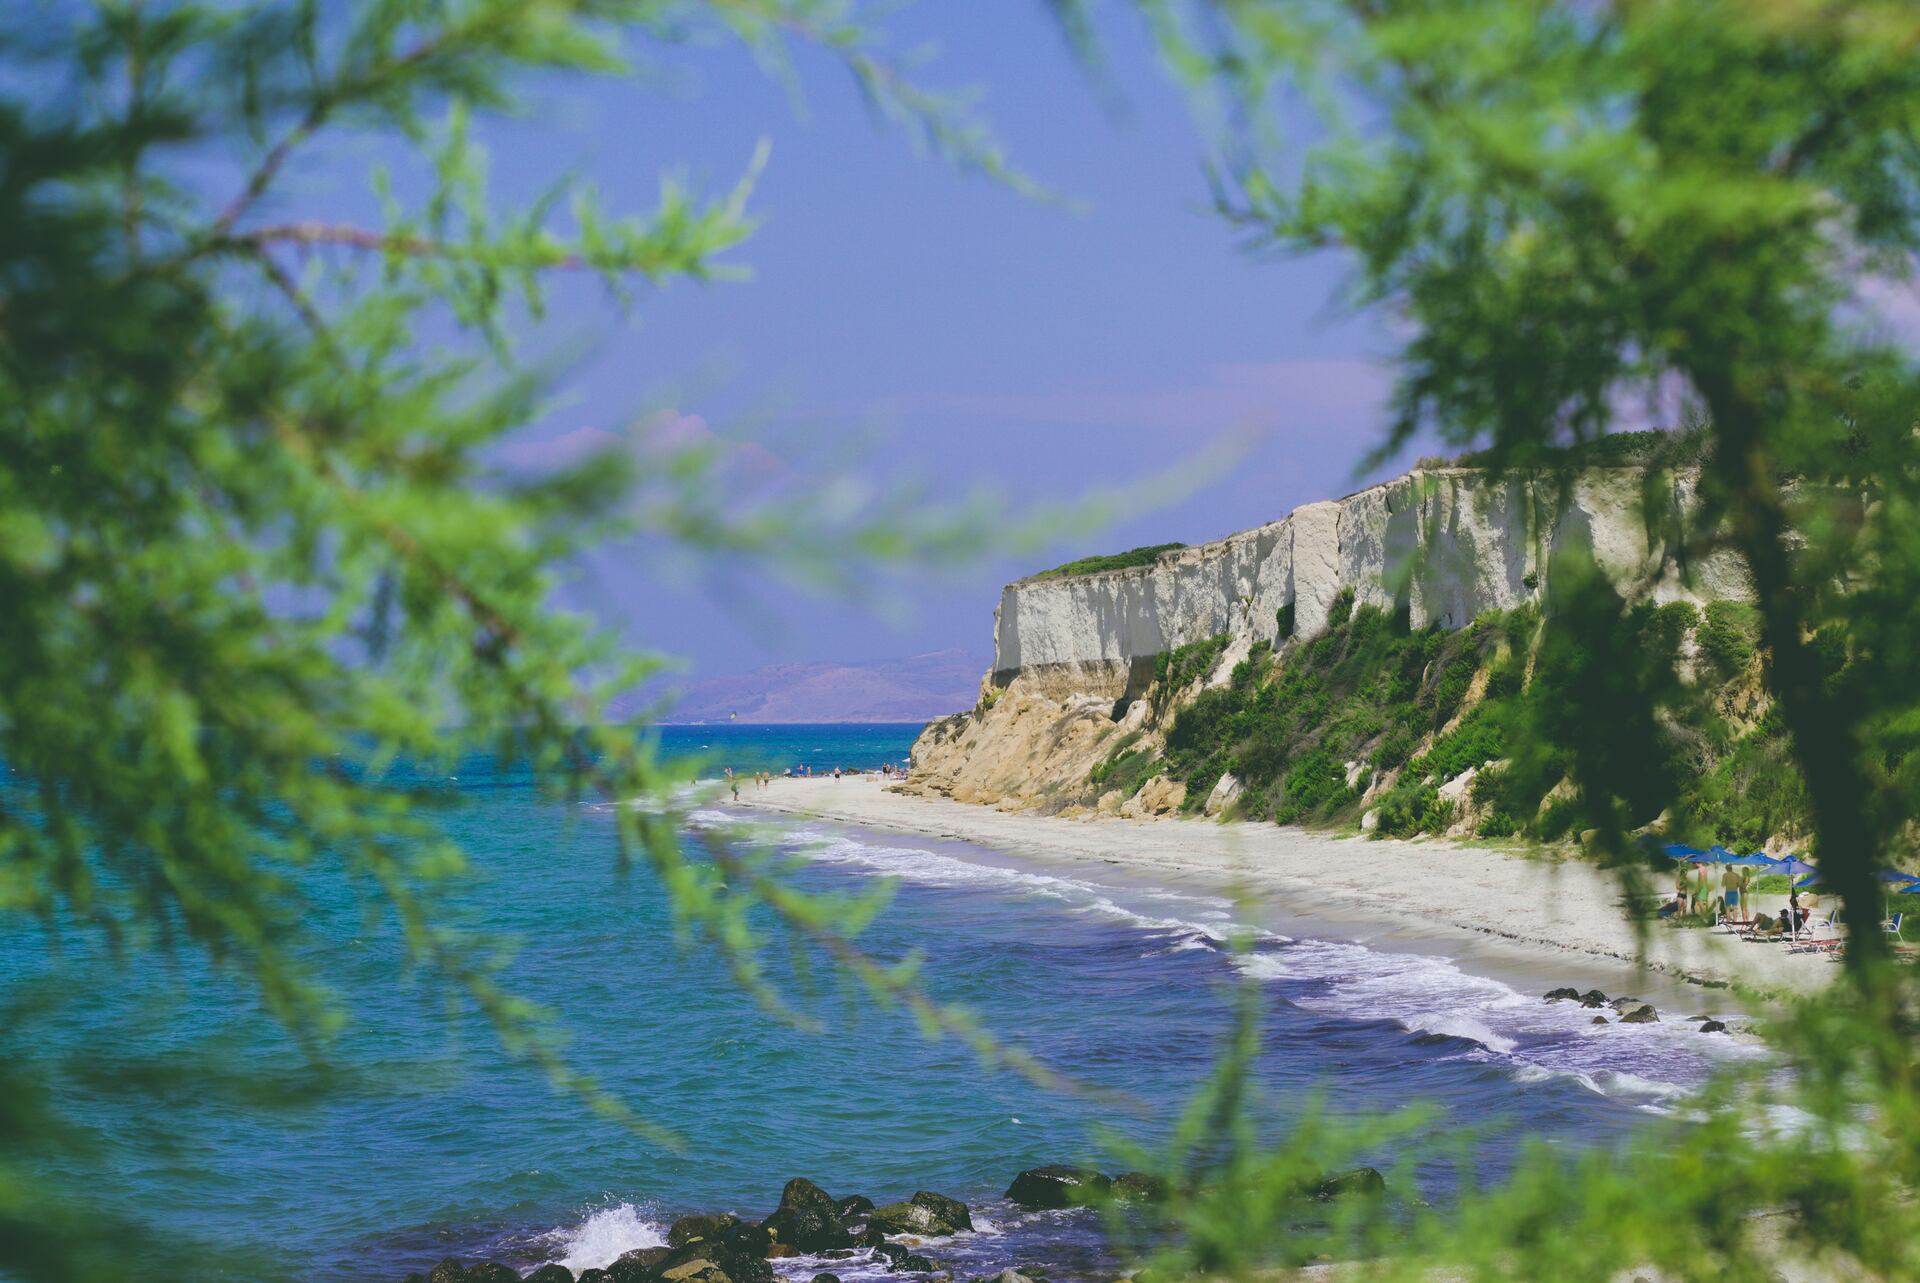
x=1535 y=920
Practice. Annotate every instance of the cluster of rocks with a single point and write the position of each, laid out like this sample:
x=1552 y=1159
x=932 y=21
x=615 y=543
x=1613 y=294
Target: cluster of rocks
x=723 y=1248
x=1051 y=1187
x=1627 y=1011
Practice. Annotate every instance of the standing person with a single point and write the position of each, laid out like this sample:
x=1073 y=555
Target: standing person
x=1682 y=896
x=1730 y=892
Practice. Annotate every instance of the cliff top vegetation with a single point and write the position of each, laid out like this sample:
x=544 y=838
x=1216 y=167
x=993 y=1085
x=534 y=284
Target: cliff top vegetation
x=1145 y=556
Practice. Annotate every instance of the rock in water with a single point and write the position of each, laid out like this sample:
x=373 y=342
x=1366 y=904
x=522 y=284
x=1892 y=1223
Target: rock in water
x=594 y=1276
x=947 y=1211
x=552 y=1272
x=1593 y=998
x=854 y=1205
x=917 y=1265
x=907 y=1218
x=688 y=1228
x=826 y=1278
x=1642 y=1014
x=1056 y=1185
x=807 y=1218
x=1712 y=1027
x=1600 y=1020
x=1138 y=1187
x=1559 y=995
x=448 y=1271
x=1359 y=1180
x=492 y=1272
x=1006 y=1276
x=638 y=1265
x=891 y=1253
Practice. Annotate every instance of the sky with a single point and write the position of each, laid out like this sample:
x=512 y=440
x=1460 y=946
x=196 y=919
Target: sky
x=911 y=326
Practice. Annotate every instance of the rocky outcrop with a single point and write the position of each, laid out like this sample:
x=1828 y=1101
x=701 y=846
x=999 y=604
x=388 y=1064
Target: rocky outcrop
x=1056 y=1186
x=1074 y=654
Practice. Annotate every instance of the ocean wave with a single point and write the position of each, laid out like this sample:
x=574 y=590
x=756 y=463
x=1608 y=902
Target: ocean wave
x=603 y=1237
x=1424 y=994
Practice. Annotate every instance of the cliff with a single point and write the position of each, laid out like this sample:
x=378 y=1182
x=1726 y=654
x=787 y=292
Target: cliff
x=1074 y=654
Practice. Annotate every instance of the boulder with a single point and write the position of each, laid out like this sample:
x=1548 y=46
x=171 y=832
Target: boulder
x=1593 y=998
x=1562 y=995
x=1370 y=821
x=1008 y=1275
x=777 y=1250
x=808 y=1219
x=1621 y=1004
x=1640 y=1014
x=1600 y=1020
x=1356 y=1181
x=737 y=1257
x=551 y=1272
x=1138 y=1187
x=635 y=1266
x=826 y=1278
x=951 y=1210
x=1225 y=793
x=448 y=1271
x=854 y=1205
x=594 y=1276
x=1056 y=1185
x=891 y=1253
x=1158 y=796
x=916 y=1217
x=1712 y=1027
x=492 y=1272
x=689 y=1228
x=916 y=1265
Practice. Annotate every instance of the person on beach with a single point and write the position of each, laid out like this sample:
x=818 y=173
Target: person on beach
x=1730 y=892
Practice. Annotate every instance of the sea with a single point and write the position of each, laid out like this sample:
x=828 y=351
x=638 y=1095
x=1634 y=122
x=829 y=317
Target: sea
x=408 y=1136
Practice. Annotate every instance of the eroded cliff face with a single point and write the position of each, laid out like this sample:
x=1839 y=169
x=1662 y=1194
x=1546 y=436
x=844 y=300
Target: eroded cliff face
x=1073 y=655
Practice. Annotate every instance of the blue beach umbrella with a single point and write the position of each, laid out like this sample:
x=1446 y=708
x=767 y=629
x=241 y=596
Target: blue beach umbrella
x=1675 y=851
x=1754 y=861
x=1794 y=867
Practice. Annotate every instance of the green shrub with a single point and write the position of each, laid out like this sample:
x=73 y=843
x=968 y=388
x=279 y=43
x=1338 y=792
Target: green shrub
x=1729 y=634
x=1405 y=809
x=1178 y=668
x=1341 y=610
x=1111 y=561
x=1317 y=782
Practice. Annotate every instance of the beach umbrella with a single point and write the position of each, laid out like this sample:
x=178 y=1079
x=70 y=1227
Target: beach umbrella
x=1794 y=867
x=1674 y=850
x=1754 y=861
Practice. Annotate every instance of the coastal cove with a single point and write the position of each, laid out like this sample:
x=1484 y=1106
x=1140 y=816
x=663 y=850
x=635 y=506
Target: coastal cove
x=417 y=1143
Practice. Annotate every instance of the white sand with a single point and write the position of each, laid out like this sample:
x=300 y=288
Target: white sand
x=1530 y=917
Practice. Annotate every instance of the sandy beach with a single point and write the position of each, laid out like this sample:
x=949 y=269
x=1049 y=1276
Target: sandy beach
x=1544 y=920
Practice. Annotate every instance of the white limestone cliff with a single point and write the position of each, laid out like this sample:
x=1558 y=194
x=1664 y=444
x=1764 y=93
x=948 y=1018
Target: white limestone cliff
x=1445 y=544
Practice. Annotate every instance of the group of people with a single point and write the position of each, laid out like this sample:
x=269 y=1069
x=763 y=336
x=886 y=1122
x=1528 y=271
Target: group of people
x=1693 y=894
x=764 y=779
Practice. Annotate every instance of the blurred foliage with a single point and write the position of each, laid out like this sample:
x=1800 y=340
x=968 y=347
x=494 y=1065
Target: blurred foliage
x=257 y=541
x=1577 y=215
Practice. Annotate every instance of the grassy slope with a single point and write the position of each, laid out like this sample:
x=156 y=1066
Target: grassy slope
x=1420 y=707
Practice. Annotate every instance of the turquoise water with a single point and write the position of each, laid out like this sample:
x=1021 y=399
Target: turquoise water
x=418 y=1141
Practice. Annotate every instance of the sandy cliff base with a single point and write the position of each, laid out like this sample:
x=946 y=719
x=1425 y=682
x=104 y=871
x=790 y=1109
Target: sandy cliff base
x=1550 y=917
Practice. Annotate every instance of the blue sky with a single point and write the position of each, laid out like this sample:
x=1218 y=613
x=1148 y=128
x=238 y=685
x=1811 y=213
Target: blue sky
x=907 y=321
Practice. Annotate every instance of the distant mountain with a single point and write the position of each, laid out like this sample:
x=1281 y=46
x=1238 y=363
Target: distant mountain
x=915 y=689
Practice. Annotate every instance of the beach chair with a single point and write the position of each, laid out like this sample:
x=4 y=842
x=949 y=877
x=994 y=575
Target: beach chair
x=1819 y=933
x=1892 y=925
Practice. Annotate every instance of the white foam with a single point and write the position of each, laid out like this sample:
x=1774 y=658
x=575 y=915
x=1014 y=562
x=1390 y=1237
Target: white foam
x=604 y=1237
x=1422 y=993
x=1200 y=919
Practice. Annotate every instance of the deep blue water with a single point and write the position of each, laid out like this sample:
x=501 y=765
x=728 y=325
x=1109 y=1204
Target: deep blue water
x=420 y=1140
